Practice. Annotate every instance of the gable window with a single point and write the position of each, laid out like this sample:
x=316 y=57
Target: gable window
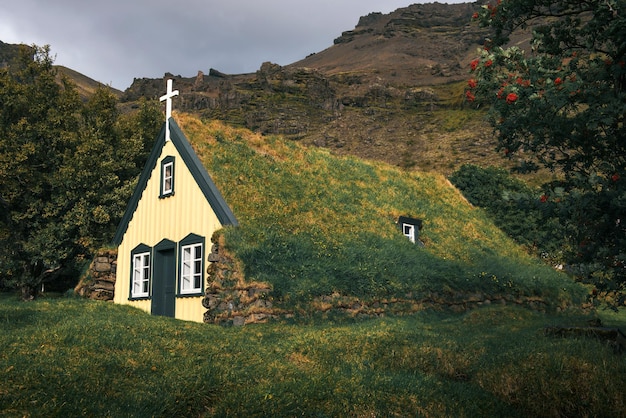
x=167 y=177
x=140 y=272
x=192 y=265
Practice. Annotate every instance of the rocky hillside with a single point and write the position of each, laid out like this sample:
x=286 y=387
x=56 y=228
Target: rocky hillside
x=390 y=89
x=7 y=53
x=423 y=44
x=85 y=85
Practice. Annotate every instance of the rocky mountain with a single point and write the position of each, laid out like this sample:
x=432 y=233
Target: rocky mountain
x=423 y=44
x=390 y=89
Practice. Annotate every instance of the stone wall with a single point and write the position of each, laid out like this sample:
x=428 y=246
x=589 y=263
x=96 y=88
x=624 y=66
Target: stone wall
x=229 y=299
x=410 y=303
x=98 y=282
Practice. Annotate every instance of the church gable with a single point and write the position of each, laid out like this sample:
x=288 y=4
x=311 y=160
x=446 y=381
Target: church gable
x=192 y=163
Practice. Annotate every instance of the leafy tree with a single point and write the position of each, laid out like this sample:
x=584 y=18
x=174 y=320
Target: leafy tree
x=38 y=122
x=528 y=215
x=562 y=105
x=101 y=170
x=67 y=169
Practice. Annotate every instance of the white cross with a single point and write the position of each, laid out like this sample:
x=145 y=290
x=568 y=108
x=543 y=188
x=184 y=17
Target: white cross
x=168 y=107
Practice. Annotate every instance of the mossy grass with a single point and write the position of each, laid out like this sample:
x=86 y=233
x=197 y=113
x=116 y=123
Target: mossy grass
x=315 y=224
x=74 y=357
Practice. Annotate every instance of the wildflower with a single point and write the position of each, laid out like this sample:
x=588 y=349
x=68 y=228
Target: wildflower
x=475 y=15
x=474 y=64
x=543 y=198
x=488 y=63
x=511 y=98
x=470 y=96
x=472 y=83
x=558 y=81
x=615 y=177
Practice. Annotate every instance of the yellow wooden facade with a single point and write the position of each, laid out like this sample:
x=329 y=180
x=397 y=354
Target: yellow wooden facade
x=150 y=219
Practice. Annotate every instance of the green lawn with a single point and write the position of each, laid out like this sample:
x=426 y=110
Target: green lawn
x=72 y=357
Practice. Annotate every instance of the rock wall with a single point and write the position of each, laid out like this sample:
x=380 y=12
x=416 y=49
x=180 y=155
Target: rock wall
x=229 y=299
x=98 y=282
x=410 y=303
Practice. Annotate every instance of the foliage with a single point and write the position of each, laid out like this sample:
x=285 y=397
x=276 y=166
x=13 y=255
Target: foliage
x=66 y=171
x=528 y=215
x=562 y=106
x=74 y=357
x=313 y=224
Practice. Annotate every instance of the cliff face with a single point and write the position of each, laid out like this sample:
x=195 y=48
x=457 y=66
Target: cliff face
x=389 y=89
x=423 y=44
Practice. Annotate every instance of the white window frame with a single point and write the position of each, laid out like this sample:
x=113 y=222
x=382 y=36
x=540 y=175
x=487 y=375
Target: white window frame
x=165 y=189
x=140 y=286
x=191 y=269
x=409 y=231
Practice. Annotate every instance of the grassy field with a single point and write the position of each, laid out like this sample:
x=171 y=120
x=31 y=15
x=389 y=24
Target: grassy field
x=73 y=357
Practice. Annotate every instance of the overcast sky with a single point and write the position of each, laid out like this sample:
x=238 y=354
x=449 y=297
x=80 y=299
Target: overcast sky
x=114 y=41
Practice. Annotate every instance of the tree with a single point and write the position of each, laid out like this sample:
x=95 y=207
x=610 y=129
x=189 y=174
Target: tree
x=562 y=105
x=67 y=169
x=524 y=213
x=99 y=173
x=38 y=123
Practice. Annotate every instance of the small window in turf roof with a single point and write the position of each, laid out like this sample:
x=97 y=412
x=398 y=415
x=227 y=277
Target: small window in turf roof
x=410 y=228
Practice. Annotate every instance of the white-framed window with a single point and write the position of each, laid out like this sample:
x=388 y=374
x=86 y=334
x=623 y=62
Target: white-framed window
x=410 y=228
x=409 y=231
x=140 y=286
x=191 y=269
x=167 y=177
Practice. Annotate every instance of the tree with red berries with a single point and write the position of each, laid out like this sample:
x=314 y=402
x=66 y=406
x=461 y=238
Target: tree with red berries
x=561 y=104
